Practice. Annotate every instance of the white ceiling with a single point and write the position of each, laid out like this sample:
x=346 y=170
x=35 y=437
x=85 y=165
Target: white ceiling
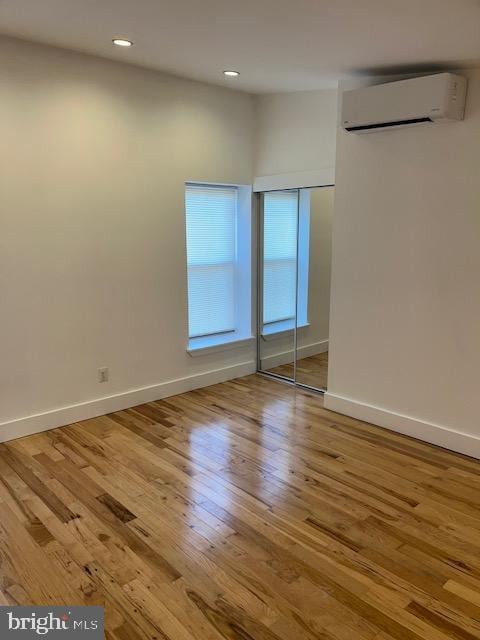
x=277 y=45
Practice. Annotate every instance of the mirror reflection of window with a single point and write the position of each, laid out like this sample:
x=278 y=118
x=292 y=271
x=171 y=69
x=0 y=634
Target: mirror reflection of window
x=280 y=260
x=279 y=279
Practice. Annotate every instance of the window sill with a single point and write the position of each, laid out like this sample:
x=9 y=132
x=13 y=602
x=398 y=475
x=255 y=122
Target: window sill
x=211 y=344
x=281 y=329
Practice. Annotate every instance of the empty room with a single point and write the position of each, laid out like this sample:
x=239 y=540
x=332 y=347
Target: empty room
x=239 y=322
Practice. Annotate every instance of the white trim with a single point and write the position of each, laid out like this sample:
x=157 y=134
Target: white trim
x=93 y=408
x=437 y=434
x=300 y=180
x=285 y=357
x=223 y=345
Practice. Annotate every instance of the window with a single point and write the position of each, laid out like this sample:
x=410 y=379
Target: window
x=211 y=257
x=282 y=212
x=218 y=264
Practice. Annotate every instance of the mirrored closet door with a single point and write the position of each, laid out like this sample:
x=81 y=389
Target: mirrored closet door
x=294 y=284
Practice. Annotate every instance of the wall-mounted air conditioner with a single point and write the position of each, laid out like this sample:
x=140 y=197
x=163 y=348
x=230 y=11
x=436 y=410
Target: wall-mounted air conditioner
x=435 y=99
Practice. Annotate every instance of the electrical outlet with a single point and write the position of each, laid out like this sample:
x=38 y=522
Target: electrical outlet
x=103 y=374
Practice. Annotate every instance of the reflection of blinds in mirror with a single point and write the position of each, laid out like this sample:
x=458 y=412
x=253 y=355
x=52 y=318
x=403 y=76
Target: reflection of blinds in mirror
x=280 y=210
x=211 y=257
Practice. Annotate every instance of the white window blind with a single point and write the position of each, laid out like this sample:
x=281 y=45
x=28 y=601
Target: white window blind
x=211 y=222
x=280 y=213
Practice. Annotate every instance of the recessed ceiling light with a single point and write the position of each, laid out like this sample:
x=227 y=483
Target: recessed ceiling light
x=231 y=73
x=121 y=42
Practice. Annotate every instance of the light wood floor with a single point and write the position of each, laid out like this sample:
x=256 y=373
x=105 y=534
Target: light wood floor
x=312 y=371
x=243 y=511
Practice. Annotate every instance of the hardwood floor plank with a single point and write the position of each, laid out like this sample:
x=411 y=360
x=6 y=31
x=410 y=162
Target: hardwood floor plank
x=245 y=511
x=36 y=485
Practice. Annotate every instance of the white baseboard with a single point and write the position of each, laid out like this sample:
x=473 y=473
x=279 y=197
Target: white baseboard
x=286 y=357
x=440 y=435
x=93 y=408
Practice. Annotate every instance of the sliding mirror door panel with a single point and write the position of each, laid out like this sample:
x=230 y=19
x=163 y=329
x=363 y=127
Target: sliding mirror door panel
x=313 y=292
x=295 y=229
x=278 y=282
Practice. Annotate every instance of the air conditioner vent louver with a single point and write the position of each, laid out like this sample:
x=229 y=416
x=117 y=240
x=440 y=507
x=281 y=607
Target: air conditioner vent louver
x=384 y=125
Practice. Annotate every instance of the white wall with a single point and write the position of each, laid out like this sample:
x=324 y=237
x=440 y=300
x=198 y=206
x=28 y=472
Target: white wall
x=92 y=255
x=296 y=132
x=405 y=338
